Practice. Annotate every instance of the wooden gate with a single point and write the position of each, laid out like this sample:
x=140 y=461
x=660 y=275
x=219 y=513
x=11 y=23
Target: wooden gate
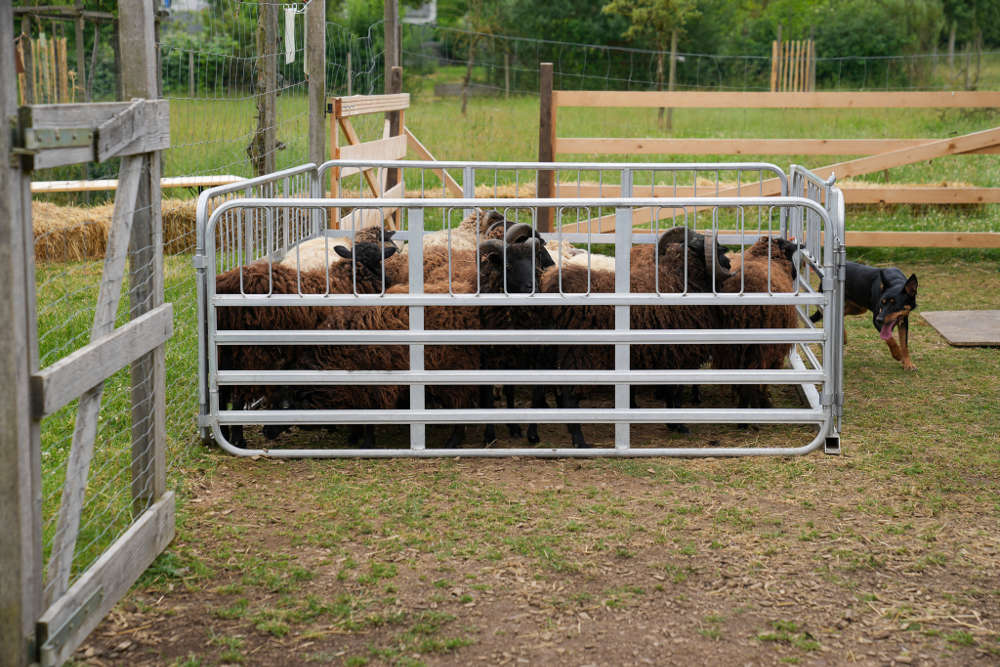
x=45 y=612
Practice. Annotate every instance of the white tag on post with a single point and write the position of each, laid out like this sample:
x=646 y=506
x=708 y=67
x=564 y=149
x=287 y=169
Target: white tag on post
x=289 y=35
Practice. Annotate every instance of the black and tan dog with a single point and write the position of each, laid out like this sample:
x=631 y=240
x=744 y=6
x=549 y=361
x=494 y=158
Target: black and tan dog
x=890 y=296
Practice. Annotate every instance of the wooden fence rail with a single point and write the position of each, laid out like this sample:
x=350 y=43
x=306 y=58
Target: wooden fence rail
x=878 y=154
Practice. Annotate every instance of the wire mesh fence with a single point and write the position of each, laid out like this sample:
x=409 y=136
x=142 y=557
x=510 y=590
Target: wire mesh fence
x=506 y=63
x=67 y=291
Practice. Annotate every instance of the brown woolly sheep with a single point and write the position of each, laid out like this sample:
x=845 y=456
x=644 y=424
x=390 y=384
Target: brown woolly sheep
x=765 y=266
x=363 y=276
x=666 y=275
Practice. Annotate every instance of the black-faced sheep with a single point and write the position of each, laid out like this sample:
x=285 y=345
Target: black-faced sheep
x=766 y=266
x=362 y=275
x=658 y=268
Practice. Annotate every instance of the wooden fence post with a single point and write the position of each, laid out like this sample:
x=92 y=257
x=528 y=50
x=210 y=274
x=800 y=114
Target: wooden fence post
x=394 y=119
x=20 y=464
x=391 y=35
x=316 y=61
x=140 y=79
x=546 y=143
x=81 y=62
x=263 y=145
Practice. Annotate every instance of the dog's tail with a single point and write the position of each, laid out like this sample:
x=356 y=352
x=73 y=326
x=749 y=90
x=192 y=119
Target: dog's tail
x=817 y=316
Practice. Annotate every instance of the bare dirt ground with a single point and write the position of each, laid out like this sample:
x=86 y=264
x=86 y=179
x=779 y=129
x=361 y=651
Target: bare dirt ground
x=887 y=554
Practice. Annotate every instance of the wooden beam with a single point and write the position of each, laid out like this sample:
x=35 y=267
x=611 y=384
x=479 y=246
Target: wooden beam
x=450 y=183
x=359 y=105
x=789 y=100
x=109 y=579
x=919 y=195
x=393 y=148
x=108 y=184
x=20 y=444
x=68 y=378
x=354 y=140
x=923 y=240
x=367 y=217
x=663 y=146
x=547 y=107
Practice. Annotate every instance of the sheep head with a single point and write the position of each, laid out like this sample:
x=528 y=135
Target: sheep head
x=368 y=255
x=514 y=266
x=705 y=247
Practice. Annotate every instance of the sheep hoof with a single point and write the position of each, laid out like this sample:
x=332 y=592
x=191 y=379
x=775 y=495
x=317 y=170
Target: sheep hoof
x=489 y=435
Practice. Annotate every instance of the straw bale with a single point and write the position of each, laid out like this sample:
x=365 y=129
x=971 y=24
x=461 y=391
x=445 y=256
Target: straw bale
x=75 y=233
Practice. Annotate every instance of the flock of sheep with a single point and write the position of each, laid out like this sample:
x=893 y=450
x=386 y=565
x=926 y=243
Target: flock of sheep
x=488 y=254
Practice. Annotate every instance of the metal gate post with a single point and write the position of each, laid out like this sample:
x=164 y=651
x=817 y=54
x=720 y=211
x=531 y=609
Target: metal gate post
x=415 y=225
x=623 y=250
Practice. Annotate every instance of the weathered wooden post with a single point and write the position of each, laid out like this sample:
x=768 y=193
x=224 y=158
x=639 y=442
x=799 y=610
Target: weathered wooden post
x=262 y=147
x=391 y=36
x=316 y=65
x=546 y=143
x=20 y=449
x=139 y=80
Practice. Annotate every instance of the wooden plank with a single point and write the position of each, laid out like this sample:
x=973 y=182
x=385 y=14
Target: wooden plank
x=52 y=116
x=667 y=146
x=903 y=156
x=112 y=575
x=367 y=217
x=66 y=379
x=359 y=105
x=923 y=239
x=107 y=184
x=85 y=431
x=393 y=148
x=450 y=183
x=781 y=100
x=354 y=140
x=919 y=195
x=774 y=65
x=966 y=328
x=20 y=464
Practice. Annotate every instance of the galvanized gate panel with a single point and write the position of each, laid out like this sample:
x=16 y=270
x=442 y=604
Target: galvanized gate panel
x=815 y=224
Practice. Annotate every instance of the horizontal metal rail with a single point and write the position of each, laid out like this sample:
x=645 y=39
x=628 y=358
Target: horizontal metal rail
x=515 y=377
x=512 y=336
x=540 y=299
x=526 y=416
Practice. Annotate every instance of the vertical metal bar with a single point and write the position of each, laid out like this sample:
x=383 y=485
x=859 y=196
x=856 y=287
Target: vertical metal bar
x=623 y=249
x=415 y=216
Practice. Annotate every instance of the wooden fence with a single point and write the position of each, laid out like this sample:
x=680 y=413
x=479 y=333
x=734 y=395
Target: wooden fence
x=879 y=154
x=793 y=66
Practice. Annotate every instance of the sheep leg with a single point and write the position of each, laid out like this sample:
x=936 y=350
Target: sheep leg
x=354 y=434
x=486 y=403
x=457 y=436
x=369 y=430
x=672 y=399
x=567 y=399
x=537 y=401
x=508 y=393
x=695 y=394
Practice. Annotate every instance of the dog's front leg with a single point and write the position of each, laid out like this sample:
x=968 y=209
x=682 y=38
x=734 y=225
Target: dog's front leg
x=903 y=332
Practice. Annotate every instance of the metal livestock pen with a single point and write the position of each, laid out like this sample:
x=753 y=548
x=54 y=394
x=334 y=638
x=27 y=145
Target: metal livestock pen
x=603 y=206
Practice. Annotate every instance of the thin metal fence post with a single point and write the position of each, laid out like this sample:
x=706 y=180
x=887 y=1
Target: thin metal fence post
x=623 y=251
x=415 y=225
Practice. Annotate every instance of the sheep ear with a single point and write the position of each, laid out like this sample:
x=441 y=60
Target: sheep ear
x=491 y=251
x=542 y=253
x=343 y=252
x=388 y=251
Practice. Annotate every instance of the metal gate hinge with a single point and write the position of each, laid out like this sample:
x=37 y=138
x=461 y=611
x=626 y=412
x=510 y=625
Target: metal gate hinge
x=33 y=140
x=57 y=639
x=199 y=261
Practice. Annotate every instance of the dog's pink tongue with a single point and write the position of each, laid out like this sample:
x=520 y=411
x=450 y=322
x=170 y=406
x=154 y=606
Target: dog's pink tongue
x=886 y=332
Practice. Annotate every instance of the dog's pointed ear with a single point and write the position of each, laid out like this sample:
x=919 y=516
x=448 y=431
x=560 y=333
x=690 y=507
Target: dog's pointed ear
x=881 y=279
x=911 y=285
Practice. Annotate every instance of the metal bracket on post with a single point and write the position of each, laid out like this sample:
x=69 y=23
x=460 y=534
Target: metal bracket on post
x=55 y=641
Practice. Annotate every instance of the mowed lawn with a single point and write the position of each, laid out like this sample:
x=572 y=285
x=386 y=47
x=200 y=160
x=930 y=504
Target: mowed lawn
x=889 y=551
